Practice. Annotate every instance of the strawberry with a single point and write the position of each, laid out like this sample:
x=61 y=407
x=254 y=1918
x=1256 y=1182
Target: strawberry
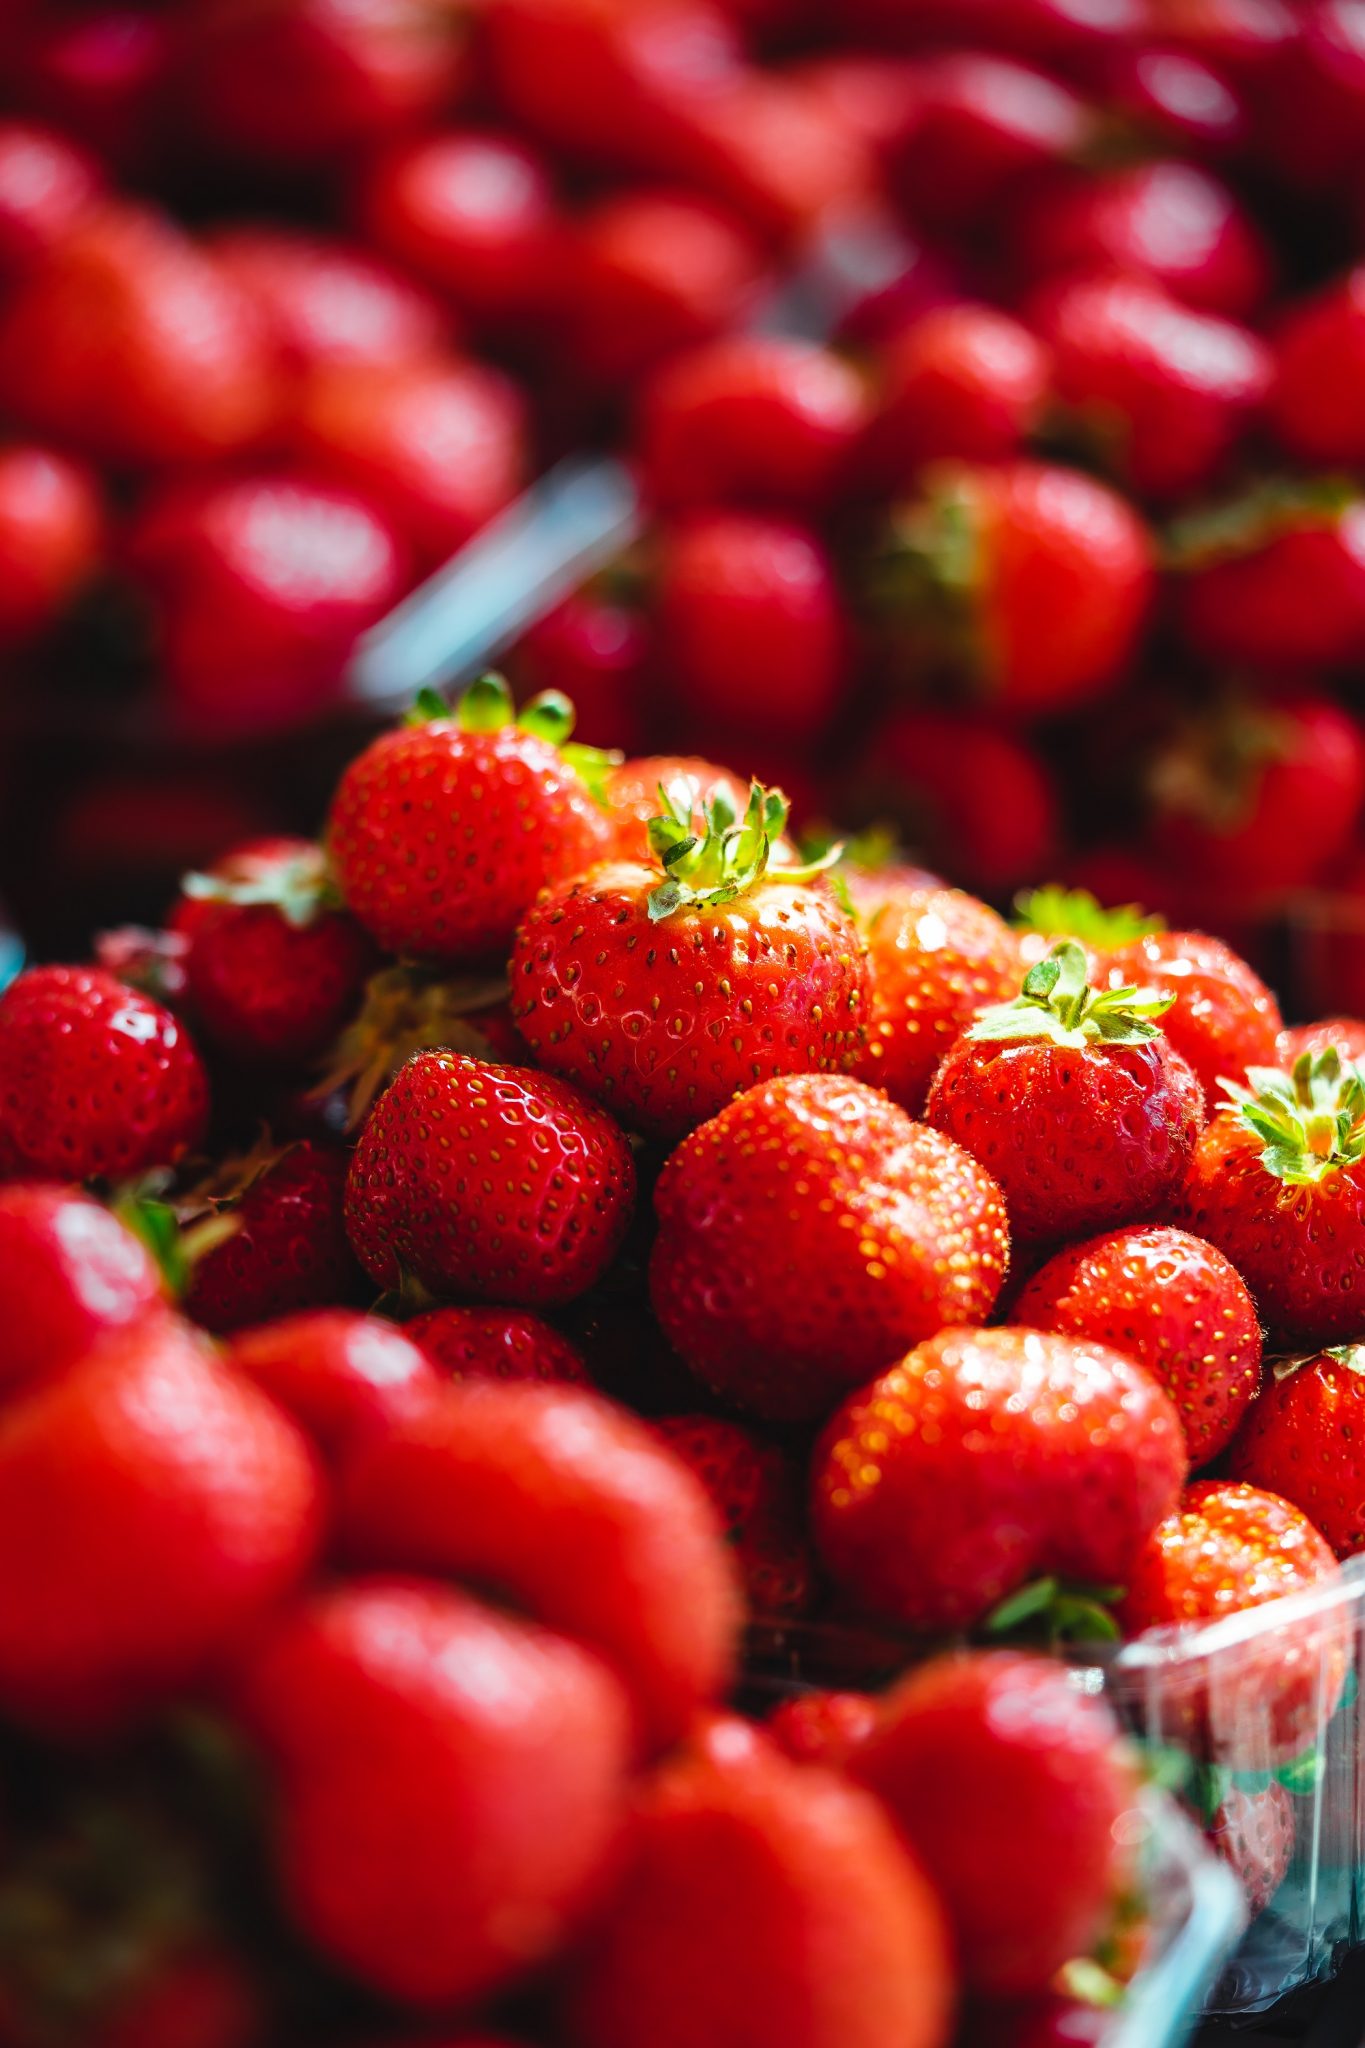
x=818 y=1926
x=1171 y=1302
x=1315 y=408
x=1222 y=1019
x=978 y=127
x=811 y=1232
x=49 y=187
x=513 y=814
x=70 y=1273
x=1347 y=1034
x=327 y=301
x=1028 y=582
x=1073 y=1099
x=633 y=795
x=1044 y=917
x=1253 y=1832
x=97 y=1079
x=340 y=1375
x=161 y=1504
x=1224 y=1549
x=781 y=156
x=663 y=988
x=753 y=1487
x=101 y=70
x=286 y=1248
x=493 y=1182
x=407 y=1010
x=823 y=1727
x=1298 y=1440
x=595 y=652
x=1174 y=100
x=51 y=538
x=961 y=382
x=1278 y=1184
x=572 y=1509
x=1329 y=969
x=1274 y=580
x=495 y=1343
x=448 y=1780
x=982 y=1756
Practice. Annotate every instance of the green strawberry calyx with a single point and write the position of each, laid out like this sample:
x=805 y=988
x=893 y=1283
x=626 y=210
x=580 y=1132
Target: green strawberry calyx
x=1076 y=914
x=710 y=854
x=1054 y=1611
x=1251 y=520
x=486 y=706
x=1057 y=1006
x=300 y=888
x=1351 y=1357
x=406 y=1009
x=1311 y=1119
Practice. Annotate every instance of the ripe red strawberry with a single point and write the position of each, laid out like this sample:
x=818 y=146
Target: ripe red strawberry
x=1224 y=1549
x=95 y=1079
x=201 y=1999
x=288 y=1249
x=1073 y=1099
x=1278 y=1184
x=1171 y=98
x=272 y=969
x=48 y=188
x=818 y=1927
x=981 y=1757
x=1347 y=1034
x=130 y=345
x=572 y=1509
x=1329 y=965
x=823 y=1727
x=448 y=1781
x=1171 y=1302
x=811 y=1232
x=51 y=537
x=492 y=1182
x=160 y=1505
x=1253 y=1832
x=595 y=652
x=1029 y=582
x=1274 y=581
x=328 y=301
x=1223 y=1018
x=70 y=1273
x=1315 y=406
x=101 y=70
x=963 y=381
x=511 y=815
x=753 y=1486
x=665 y=987
x=632 y=793
x=496 y=1343
x=781 y=156
x=342 y=1376
x=1298 y=1440
x=978 y=128
x=985 y=1459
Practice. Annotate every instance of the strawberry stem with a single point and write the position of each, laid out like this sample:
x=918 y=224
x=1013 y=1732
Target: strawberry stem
x=721 y=855
x=1057 y=1006
x=1311 y=1120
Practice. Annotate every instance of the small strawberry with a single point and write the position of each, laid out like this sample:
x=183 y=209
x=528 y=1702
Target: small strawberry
x=1222 y=1018
x=1253 y=1832
x=493 y=1182
x=340 y=1375
x=496 y=1343
x=95 y=1079
x=633 y=795
x=1171 y=1302
x=1299 y=1440
x=594 y=651
x=51 y=538
x=979 y=128
x=823 y=1727
x=781 y=156
x=753 y=1486
x=70 y=1273
x=48 y=188
x=442 y=832
x=286 y=1246
x=1347 y=1034
x=665 y=987
x=574 y=1510
x=1073 y=1098
x=984 y=1459
x=962 y=382
x=328 y=301
x=1274 y=580
x=810 y=1233
x=981 y=1757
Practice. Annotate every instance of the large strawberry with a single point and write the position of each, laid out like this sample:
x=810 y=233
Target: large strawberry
x=1222 y=1018
x=442 y=832
x=809 y=1234
x=493 y=1182
x=664 y=989
x=94 y=1078
x=1173 y=1303
x=342 y=1376
x=70 y=1272
x=754 y=1487
x=1305 y=1438
x=283 y=1247
x=1073 y=1099
x=986 y=1459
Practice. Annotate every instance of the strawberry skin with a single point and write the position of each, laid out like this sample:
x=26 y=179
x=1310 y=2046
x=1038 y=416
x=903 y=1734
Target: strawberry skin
x=987 y=1458
x=1301 y=1439
x=342 y=1376
x=1254 y=1834
x=289 y=1249
x=70 y=1273
x=1223 y=1020
x=496 y=1343
x=632 y=794
x=753 y=1487
x=97 y=1079
x=823 y=1727
x=810 y=1232
x=494 y=1182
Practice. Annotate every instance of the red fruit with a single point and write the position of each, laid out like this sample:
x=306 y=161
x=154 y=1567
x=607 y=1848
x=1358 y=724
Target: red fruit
x=1223 y=1020
x=1347 y=1034
x=438 y=445
x=750 y=420
x=495 y=1343
x=962 y=381
x=70 y=1273
x=749 y=615
x=1328 y=961
x=981 y=1757
x=594 y=652
x=1300 y=1438
x=1254 y=1834
x=1172 y=1303
x=100 y=71
x=977 y=128
x=1278 y=1184
x=781 y=156
x=1174 y=100
x=985 y=1459
x=203 y=1999
x=97 y=1079
x=289 y=1249
x=131 y=346
x=492 y=1182
x=811 y=1232
x=1073 y=1099
x=1315 y=408
x=574 y=1511
x=49 y=187
x=1276 y=581
x=663 y=988
x=1261 y=796
x=51 y=535
x=818 y=1928
x=160 y=1505
x=449 y=1781
x=753 y=1487
x=514 y=816
x=633 y=795
x=340 y=1375
x=326 y=301
x=1163 y=393
x=272 y=972
x=823 y=1727
x=1033 y=581
x=472 y=212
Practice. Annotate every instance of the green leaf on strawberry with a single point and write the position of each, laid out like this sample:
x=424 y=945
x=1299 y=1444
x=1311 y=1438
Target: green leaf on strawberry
x=1076 y=914
x=1311 y=1119
x=721 y=855
x=1057 y=1006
